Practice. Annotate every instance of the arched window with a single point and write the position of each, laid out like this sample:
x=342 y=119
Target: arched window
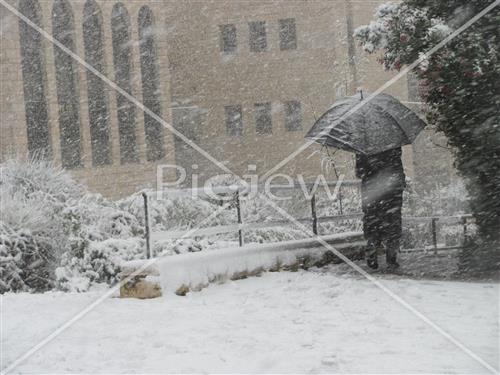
x=33 y=68
x=120 y=26
x=63 y=30
x=150 y=89
x=97 y=100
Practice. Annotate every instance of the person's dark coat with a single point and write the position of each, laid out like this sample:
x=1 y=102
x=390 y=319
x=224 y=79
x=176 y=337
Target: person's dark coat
x=382 y=184
x=381 y=175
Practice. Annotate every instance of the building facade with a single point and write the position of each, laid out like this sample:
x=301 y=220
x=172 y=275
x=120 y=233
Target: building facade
x=244 y=80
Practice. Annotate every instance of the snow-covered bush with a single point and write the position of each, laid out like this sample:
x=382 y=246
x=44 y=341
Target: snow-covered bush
x=99 y=263
x=55 y=233
x=49 y=221
x=33 y=195
x=175 y=213
x=39 y=178
x=274 y=234
x=450 y=199
x=446 y=200
x=180 y=246
x=25 y=263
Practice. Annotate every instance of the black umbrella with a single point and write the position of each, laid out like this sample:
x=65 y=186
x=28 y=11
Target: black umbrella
x=380 y=124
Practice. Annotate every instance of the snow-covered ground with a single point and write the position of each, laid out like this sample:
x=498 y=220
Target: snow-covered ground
x=307 y=321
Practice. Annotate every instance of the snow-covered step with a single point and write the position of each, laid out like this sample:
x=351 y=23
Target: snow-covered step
x=193 y=271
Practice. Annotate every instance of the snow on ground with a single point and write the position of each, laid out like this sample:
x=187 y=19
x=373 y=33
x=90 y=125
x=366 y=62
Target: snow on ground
x=307 y=321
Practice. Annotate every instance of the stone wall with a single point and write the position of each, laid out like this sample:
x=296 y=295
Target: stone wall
x=197 y=80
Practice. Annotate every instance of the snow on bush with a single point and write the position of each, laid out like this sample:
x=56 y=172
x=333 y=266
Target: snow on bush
x=415 y=30
x=32 y=233
x=26 y=263
x=174 y=213
x=100 y=263
x=54 y=233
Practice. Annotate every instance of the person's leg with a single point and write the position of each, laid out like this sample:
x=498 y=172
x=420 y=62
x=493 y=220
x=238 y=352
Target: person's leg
x=371 y=225
x=394 y=229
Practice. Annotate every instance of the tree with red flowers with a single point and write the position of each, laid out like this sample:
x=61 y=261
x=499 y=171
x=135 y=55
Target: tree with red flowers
x=460 y=85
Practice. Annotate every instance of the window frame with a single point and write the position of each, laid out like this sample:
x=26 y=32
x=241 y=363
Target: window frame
x=222 y=40
x=263 y=117
x=150 y=83
x=290 y=116
x=121 y=38
x=230 y=128
x=257 y=43
x=287 y=27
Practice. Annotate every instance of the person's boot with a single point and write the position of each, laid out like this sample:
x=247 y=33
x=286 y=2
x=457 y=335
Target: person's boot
x=391 y=258
x=371 y=256
x=392 y=266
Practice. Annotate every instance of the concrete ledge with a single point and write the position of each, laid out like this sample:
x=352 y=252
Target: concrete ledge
x=182 y=273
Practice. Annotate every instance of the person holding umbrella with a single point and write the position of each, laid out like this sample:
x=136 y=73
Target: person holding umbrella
x=374 y=129
x=382 y=184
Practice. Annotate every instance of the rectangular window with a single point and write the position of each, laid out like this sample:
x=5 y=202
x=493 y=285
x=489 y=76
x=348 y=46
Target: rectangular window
x=234 y=120
x=227 y=38
x=288 y=34
x=257 y=35
x=293 y=115
x=263 y=118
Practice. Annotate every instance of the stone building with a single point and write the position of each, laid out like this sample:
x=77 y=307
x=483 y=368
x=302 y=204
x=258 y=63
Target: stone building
x=244 y=80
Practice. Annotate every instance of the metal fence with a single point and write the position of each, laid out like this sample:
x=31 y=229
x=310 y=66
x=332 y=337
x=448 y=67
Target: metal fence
x=235 y=195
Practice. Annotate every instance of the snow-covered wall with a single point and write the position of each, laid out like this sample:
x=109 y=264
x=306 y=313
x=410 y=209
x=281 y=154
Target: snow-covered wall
x=193 y=271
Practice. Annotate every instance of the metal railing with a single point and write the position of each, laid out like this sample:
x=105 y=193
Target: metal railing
x=314 y=220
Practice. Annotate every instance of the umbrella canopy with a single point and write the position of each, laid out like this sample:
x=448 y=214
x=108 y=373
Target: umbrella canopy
x=381 y=124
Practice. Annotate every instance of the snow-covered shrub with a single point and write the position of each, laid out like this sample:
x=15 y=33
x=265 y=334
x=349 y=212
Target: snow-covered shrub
x=175 y=213
x=25 y=263
x=99 y=263
x=100 y=236
x=33 y=196
x=348 y=201
x=39 y=178
x=451 y=199
x=274 y=234
x=180 y=246
x=446 y=200
x=49 y=221
x=188 y=212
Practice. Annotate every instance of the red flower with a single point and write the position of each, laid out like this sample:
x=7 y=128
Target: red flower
x=445 y=90
x=403 y=38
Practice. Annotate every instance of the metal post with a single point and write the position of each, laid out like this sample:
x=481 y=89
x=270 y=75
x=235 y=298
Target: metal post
x=146 y=225
x=314 y=215
x=434 y=233
x=360 y=197
x=238 y=212
x=340 y=201
x=464 y=223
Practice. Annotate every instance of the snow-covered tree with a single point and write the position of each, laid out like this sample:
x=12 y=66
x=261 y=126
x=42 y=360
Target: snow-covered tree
x=459 y=84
